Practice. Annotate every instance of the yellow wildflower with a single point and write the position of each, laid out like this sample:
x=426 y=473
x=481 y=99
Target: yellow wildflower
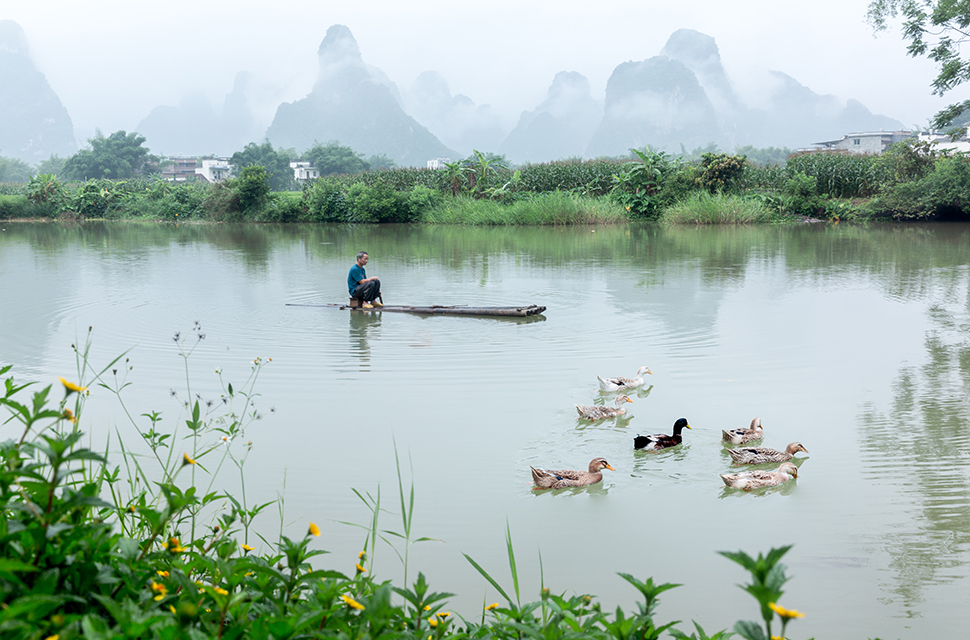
x=53 y=637
x=427 y=607
x=186 y=459
x=247 y=548
x=360 y=569
x=432 y=622
x=494 y=605
x=350 y=602
x=220 y=591
x=362 y=555
x=173 y=545
x=164 y=574
x=160 y=589
x=69 y=416
x=171 y=608
x=314 y=530
x=443 y=614
x=70 y=387
x=785 y=613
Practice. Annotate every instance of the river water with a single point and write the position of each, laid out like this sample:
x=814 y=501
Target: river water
x=852 y=340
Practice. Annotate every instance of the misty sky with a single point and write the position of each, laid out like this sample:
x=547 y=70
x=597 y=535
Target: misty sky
x=112 y=61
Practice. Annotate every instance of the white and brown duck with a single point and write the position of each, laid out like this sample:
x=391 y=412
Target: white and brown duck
x=562 y=478
x=742 y=436
x=749 y=480
x=621 y=384
x=599 y=412
x=762 y=455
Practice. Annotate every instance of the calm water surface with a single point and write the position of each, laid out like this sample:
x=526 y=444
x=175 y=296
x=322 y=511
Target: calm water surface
x=852 y=340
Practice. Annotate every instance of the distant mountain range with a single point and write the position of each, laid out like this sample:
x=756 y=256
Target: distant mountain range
x=33 y=122
x=680 y=99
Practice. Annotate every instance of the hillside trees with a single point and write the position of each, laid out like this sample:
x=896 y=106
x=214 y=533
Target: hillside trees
x=333 y=159
x=275 y=161
x=117 y=156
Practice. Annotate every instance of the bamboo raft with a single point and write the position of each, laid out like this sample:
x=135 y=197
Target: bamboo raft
x=442 y=310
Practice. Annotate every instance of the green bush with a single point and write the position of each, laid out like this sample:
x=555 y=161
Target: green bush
x=640 y=186
x=222 y=203
x=284 y=206
x=326 y=202
x=21 y=207
x=800 y=195
x=702 y=207
x=943 y=192
x=420 y=199
x=376 y=203
x=721 y=172
x=253 y=187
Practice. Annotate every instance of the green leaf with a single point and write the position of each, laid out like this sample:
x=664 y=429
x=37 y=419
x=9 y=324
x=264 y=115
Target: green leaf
x=8 y=565
x=749 y=630
x=485 y=575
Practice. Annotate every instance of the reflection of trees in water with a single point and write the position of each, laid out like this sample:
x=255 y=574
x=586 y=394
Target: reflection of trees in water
x=922 y=447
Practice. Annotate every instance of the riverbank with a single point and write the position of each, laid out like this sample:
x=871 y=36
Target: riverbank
x=906 y=183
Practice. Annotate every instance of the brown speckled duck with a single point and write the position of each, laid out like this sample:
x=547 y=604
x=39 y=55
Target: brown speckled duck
x=661 y=440
x=620 y=384
x=749 y=480
x=598 y=412
x=559 y=479
x=741 y=436
x=761 y=455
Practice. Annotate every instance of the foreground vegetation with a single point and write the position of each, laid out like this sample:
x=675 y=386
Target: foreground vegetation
x=911 y=181
x=146 y=548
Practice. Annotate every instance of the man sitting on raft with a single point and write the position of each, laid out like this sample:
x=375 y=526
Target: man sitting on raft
x=367 y=289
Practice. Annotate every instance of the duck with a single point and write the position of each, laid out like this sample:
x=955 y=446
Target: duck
x=559 y=479
x=740 y=436
x=618 y=384
x=661 y=440
x=598 y=412
x=761 y=455
x=749 y=480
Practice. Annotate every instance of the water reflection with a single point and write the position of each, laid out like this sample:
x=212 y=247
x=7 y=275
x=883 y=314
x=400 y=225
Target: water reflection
x=363 y=328
x=920 y=449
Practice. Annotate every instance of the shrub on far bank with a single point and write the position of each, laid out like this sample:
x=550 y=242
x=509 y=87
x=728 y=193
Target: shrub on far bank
x=14 y=207
x=553 y=208
x=703 y=207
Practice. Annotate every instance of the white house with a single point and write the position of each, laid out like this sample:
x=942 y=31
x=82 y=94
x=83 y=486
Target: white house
x=438 y=163
x=214 y=169
x=942 y=142
x=870 y=142
x=303 y=171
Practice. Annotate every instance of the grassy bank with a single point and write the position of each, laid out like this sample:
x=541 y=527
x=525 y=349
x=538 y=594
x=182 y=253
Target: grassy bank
x=707 y=208
x=554 y=208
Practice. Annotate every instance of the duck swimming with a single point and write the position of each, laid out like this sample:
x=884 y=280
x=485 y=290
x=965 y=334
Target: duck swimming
x=661 y=440
x=619 y=384
x=761 y=455
x=598 y=412
x=749 y=480
x=740 y=436
x=553 y=479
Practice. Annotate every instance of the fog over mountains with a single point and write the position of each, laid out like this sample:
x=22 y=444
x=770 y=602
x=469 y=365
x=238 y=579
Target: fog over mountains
x=681 y=98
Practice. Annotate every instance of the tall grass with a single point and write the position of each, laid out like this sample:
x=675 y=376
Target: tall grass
x=554 y=208
x=706 y=208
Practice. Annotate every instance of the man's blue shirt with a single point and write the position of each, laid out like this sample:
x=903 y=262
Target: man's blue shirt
x=357 y=273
